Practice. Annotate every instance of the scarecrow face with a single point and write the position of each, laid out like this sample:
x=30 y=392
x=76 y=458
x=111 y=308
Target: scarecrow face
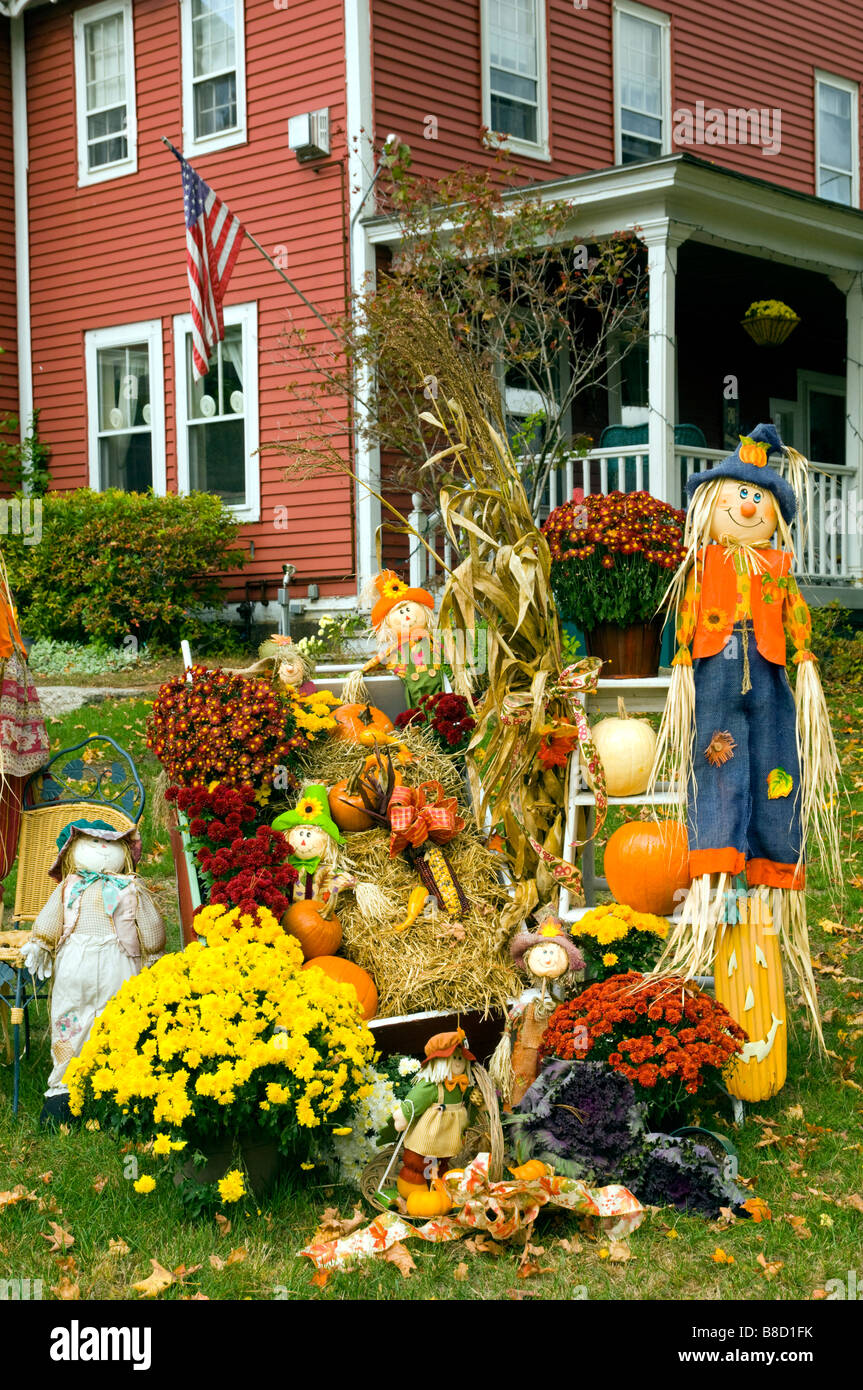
x=547 y=961
x=307 y=841
x=408 y=616
x=291 y=670
x=743 y=512
x=457 y=1064
x=98 y=856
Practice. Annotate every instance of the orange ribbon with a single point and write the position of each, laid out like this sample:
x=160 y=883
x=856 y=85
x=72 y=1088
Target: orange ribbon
x=415 y=818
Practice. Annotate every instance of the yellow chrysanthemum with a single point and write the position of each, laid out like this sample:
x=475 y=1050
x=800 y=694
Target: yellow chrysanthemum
x=144 y=1184
x=232 y=1186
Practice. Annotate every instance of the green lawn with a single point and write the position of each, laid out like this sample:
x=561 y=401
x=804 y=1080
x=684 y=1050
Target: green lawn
x=802 y=1153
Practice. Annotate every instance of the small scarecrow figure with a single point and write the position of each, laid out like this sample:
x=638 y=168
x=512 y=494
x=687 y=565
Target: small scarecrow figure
x=23 y=741
x=546 y=955
x=758 y=760
x=99 y=928
x=289 y=667
x=314 y=839
x=435 y=1112
x=403 y=620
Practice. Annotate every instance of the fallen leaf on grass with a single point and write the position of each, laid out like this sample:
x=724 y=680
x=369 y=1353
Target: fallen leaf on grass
x=619 y=1251
x=223 y=1224
x=794 y=1112
x=719 y=1257
x=757 y=1208
x=518 y=1294
x=58 y=1239
x=117 y=1247
x=162 y=1278
x=819 y=1293
x=401 y=1257
x=217 y=1262
x=236 y=1257
x=321 y=1278
x=17 y=1194
x=529 y=1268
x=483 y=1245
x=769 y=1268
x=855 y=1201
x=572 y=1247
x=799 y=1227
x=725 y=1219
x=99 y=1184
x=332 y=1226
x=46 y=1177
x=66 y=1290
x=460 y=1273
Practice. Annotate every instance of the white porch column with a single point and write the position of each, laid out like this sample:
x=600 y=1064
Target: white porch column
x=662 y=239
x=851 y=540
x=360 y=123
x=22 y=226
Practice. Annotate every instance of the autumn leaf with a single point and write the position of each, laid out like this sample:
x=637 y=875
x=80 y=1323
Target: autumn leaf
x=17 y=1194
x=855 y=1201
x=460 y=1272
x=619 y=1251
x=572 y=1247
x=99 y=1184
x=118 y=1248
x=332 y=1226
x=483 y=1245
x=58 y=1239
x=799 y=1227
x=321 y=1278
x=719 y=1257
x=66 y=1290
x=528 y=1268
x=831 y=928
x=794 y=1112
x=769 y=1268
x=779 y=784
x=758 y=1209
x=155 y=1283
x=223 y=1224
x=401 y=1257
x=46 y=1177
x=236 y=1257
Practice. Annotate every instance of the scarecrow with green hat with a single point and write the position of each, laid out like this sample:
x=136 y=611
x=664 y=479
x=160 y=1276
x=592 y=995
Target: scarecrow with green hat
x=755 y=761
x=314 y=839
x=99 y=928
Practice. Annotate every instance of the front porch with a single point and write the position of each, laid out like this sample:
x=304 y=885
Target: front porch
x=715 y=241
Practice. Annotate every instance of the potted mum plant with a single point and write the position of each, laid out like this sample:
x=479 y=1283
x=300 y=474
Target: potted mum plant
x=612 y=557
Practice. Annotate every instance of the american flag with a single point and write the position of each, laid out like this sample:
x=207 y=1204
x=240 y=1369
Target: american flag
x=213 y=240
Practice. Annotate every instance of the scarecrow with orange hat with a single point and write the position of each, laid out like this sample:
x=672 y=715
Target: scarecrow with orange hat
x=403 y=620
x=435 y=1112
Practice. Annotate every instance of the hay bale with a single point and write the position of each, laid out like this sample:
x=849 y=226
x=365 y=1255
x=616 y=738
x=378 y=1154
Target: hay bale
x=436 y=963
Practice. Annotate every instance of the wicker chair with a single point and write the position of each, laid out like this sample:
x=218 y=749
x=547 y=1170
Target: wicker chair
x=101 y=783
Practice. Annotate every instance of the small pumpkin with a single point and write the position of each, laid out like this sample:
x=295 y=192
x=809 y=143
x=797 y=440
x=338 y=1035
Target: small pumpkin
x=751 y=452
x=348 y=809
x=646 y=863
x=531 y=1171
x=347 y=973
x=626 y=748
x=362 y=723
x=318 y=935
x=435 y=1202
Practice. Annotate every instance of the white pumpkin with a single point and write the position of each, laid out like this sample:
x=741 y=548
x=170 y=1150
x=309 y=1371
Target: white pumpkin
x=626 y=749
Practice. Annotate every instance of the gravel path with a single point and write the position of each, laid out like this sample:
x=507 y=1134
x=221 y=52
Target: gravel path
x=57 y=700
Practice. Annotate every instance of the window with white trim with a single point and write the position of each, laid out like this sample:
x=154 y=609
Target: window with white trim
x=515 y=101
x=105 y=92
x=642 y=65
x=214 y=74
x=217 y=416
x=126 y=407
x=837 y=156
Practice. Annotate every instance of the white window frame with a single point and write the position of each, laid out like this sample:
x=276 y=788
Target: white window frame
x=120 y=167
x=663 y=23
x=122 y=335
x=540 y=148
x=222 y=139
x=843 y=84
x=247 y=316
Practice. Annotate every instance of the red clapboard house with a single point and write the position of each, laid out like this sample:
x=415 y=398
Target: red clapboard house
x=729 y=136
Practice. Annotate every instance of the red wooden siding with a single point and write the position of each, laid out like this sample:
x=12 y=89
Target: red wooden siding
x=8 y=330
x=427 y=63
x=114 y=253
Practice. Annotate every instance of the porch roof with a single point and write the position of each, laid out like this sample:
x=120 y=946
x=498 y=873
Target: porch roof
x=706 y=202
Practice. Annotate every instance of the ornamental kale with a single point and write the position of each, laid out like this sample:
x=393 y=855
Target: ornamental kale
x=679 y=1172
x=581 y=1117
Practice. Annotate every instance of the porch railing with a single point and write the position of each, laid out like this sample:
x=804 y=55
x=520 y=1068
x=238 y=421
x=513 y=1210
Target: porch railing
x=820 y=553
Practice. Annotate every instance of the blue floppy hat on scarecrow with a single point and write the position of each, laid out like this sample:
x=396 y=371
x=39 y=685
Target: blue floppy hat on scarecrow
x=749 y=463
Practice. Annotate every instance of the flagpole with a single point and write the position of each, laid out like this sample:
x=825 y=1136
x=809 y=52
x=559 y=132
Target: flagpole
x=277 y=268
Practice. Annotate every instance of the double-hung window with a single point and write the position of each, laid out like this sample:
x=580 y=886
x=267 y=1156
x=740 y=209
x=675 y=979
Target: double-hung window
x=105 y=91
x=837 y=152
x=214 y=74
x=642 y=81
x=515 y=101
x=217 y=416
x=125 y=407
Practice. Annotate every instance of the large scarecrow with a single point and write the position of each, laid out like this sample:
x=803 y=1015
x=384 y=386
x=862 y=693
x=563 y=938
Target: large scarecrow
x=758 y=761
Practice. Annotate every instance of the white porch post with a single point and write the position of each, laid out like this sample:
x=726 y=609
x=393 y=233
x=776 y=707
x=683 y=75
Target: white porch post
x=662 y=239
x=851 y=540
x=360 y=122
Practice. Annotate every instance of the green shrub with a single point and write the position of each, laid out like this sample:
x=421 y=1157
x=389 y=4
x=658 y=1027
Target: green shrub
x=115 y=564
x=838 y=647
x=50 y=658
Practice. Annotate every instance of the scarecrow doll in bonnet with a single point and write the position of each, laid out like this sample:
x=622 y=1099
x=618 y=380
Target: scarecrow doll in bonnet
x=546 y=955
x=757 y=760
x=403 y=621
x=288 y=666
x=435 y=1113
x=99 y=928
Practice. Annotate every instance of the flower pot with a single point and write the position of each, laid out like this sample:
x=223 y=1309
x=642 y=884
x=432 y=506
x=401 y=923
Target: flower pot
x=626 y=651
x=257 y=1157
x=768 y=331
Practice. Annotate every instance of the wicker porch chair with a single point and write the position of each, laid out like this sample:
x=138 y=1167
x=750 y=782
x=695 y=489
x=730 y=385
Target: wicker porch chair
x=102 y=783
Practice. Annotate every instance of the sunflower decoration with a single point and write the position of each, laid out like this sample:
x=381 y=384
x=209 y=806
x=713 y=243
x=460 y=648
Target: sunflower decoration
x=393 y=588
x=714 y=619
x=309 y=808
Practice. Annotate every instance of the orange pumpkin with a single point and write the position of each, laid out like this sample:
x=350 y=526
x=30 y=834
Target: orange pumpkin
x=317 y=935
x=347 y=808
x=753 y=453
x=646 y=864
x=362 y=723
x=345 y=971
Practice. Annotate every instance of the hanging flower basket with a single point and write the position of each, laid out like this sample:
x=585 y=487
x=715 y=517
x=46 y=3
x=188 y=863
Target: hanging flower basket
x=769 y=322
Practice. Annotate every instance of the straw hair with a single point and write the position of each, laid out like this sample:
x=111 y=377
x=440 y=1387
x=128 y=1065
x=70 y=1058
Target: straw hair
x=820 y=772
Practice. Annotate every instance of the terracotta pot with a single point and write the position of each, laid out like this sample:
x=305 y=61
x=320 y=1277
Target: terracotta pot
x=626 y=651
x=260 y=1159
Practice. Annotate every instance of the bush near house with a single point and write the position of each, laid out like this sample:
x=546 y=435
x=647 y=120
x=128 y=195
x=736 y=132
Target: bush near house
x=113 y=565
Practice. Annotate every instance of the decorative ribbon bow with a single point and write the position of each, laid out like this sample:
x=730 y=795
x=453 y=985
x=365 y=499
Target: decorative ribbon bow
x=415 y=818
x=112 y=886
